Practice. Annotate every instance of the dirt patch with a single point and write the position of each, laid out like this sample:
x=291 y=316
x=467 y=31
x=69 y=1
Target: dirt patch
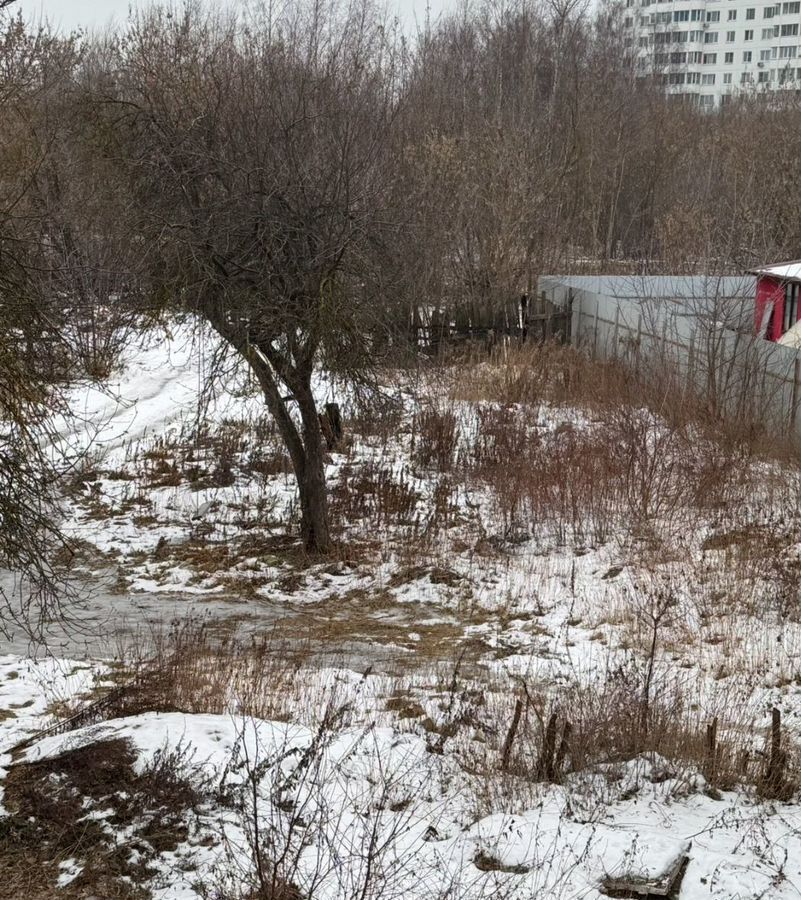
x=76 y=806
x=435 y=574
x=486 y=862
x=445 y=576
x=405 y=707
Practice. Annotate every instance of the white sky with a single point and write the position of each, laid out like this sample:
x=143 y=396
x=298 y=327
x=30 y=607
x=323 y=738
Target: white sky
x=68 y=14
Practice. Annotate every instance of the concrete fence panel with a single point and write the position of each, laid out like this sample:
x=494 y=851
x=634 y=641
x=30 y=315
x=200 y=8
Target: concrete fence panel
x=701 y=335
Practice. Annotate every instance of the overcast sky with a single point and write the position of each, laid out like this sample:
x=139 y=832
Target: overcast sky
x=68 y=14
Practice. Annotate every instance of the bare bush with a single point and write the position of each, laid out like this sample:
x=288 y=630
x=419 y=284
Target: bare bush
x=375 y=496
x=436 y=438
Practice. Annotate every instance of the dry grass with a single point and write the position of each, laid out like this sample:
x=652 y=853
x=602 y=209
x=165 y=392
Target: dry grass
x=559 y=375
x=435 y=438
x=631 y=452
x=601 y=722
x=373 y=496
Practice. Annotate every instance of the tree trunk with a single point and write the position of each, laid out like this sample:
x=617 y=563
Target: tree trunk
x=305 y=449
x=313 y=497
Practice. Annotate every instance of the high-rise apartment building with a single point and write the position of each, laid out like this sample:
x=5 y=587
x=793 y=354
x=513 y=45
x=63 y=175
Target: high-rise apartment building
x=712 y=49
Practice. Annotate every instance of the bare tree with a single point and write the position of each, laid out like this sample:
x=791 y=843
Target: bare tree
x=254 y=170
x=33 y=348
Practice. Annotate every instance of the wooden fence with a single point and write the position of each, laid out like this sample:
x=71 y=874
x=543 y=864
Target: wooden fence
x=534 y=318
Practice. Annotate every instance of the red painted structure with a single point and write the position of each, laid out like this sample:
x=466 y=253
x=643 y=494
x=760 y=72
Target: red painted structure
x=777 y=299
x=769 y=307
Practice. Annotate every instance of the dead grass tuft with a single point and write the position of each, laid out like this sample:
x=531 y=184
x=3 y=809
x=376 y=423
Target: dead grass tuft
x=436 y=439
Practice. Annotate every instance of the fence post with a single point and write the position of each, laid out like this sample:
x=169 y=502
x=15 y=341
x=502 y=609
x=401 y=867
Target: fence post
x=595 y=330
x=796 y=388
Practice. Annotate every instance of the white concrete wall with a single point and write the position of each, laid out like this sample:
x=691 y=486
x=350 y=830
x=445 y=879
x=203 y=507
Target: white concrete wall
x=745 y=373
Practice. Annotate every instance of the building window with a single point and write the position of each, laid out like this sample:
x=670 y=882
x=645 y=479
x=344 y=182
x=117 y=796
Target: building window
x=697 y=15
x=788 y=52
x=732 y=15
x=693 y=78
x=764 y=55
x=790 y=305
x=695 y=56
x=791 y=8
x=696 y=36
x=749 y=35
x=710 y=59
x=790 y=30
x=683 y=15
x=677 y=59
x=711 y=37
x=746 y=78
x=763 y=77
x=730 y=37
x=768 y=34
x=707 y=100
x=746 y=56
x=728 y=57
x=708 y=79
x=750 y=13
x=768 y=12
x=713 y=16
x=727 y=77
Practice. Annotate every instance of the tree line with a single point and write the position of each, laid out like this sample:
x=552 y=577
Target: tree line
x=310 y=180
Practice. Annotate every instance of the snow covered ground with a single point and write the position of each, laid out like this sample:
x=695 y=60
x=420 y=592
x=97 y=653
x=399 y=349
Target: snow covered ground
x=328 y=803
x=458 y=606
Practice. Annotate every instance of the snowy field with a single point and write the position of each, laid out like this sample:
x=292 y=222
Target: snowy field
x=488 y=568
x=372 y=811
